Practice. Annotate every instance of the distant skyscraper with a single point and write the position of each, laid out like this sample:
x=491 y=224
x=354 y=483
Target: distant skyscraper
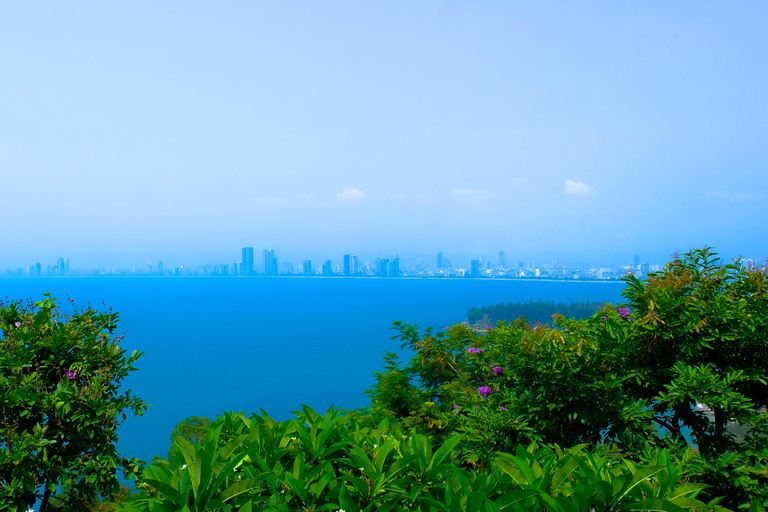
x=270 y=263
x=350 y=264
x=247 y=261
x=645 y=267
x=306 y=267
x=393 y=267
x=474 y=268
x=327 y=268
x=637 y=261
x=160 y=267
x=440 y=259
x=149 y=268
x=501 y=259
x=60 y=267
x=381 y=266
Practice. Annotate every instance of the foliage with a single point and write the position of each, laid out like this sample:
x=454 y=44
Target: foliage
x=331 y=462
x=61 y=405
x=193 y=429
x=535 y=312
x=684 y=363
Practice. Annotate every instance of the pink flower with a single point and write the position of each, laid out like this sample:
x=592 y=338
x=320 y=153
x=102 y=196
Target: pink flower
x=17 y=324
x=71 y=375
x=497 y=369
x=475 y=350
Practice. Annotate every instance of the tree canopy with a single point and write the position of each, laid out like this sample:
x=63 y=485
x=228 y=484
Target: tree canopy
x=61 y=405
x=682 y=364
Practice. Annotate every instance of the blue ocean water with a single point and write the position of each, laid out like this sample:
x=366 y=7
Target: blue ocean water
x=244 y=343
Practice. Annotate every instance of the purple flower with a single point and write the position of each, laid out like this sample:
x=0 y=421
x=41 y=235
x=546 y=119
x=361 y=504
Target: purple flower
x=485 y=391
x=497 y=369
x=502 y=408
x=475 y=350
x=487 y=326
x=71 y=375
x=566 y=330
x=605 y=318
x=17 y=324
x=455 y=406
x=624 y=312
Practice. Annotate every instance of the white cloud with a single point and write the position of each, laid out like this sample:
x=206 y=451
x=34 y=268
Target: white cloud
x=468 y=192
x=351 y=194
x=576 y=188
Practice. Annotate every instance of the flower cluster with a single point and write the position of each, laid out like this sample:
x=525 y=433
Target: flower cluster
x=485 y=391
x=624 y=312
x=475 y=350
x=71 y=375
x=497 y=369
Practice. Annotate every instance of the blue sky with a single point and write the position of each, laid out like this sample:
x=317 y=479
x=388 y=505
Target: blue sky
x=182 y=131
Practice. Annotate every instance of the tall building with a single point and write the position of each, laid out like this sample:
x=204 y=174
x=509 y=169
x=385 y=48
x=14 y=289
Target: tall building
x=501 y=259
x=247 y=261
x=440 y=259
x=61 y=266
x=160 y=267
x=149 y=268
x=474 y=268
x=393 y=267
x=327 y=268
x=350 y=265
x=270 y=263
x=306 y=267
x=637 y=261
x=380 y=268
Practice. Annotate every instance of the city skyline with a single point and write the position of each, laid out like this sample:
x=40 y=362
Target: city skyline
x=350 y=265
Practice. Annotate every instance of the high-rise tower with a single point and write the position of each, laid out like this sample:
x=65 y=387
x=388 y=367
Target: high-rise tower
x=350 y=264
x=270 y=263
x=247 y=261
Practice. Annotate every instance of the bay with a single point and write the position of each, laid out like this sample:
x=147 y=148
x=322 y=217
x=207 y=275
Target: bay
x=216 y=344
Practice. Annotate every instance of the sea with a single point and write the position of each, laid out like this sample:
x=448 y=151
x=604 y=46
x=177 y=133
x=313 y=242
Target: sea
x=214 y=344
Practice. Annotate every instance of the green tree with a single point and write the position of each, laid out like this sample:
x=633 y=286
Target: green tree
x=683 y=364
x=192 y=429
x=60 y=405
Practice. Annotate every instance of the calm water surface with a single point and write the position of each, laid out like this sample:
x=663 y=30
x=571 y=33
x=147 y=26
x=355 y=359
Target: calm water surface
x=244 y=343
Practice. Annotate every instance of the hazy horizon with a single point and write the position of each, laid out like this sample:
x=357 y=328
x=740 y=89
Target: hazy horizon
x=184 y=131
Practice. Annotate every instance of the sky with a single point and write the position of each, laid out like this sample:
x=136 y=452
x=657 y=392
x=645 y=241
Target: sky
x=184 y=130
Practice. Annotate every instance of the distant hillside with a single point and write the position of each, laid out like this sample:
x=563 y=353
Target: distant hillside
x=535 y=312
